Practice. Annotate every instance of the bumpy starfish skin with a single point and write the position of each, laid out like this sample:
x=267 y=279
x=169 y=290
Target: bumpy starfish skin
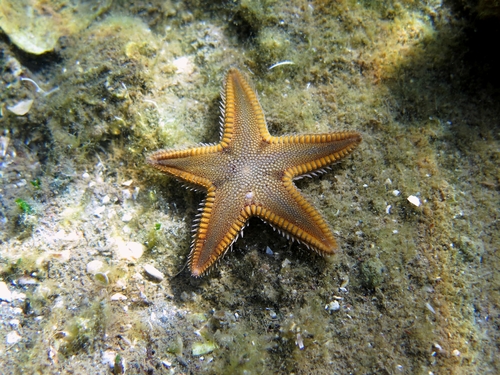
x=250 y=173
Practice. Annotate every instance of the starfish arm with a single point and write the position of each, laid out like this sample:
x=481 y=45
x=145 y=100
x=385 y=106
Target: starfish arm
x=302 y=154
x=287 y=210
x=244 y=122
x=220 y=223
x=197 y=165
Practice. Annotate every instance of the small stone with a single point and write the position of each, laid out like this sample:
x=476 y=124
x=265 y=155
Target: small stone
x=153 y=272
x=18 y=296
x=106 y=199
x=108 y=358
x=13 y=338
x=14 y=323
x=200 y=348
x=456 y=353
x=5 y=293
x=85 y=176
x=285 y=263
x=27 y=280
x=94 y=266
x=127 y=217
x=126 y=194
x=118 y=297
x=299 y=342
x=396 y=193
x=184 y=65
x=414 y=200
x=129 y=250
x=332 y=306
x=269 y=251
x=99 y=210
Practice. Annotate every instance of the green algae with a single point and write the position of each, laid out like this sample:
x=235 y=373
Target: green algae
x=36 y=26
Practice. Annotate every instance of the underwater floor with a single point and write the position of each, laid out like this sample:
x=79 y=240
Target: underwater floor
x=94 y=243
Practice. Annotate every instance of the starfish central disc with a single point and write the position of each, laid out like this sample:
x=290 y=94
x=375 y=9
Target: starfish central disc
x=250 y=173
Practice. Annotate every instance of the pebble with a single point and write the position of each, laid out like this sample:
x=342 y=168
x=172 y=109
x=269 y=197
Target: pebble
x=299 y=342
x=86 y=176
x=126 y=194
x=99 y=210
x=118 y=297
x=126 y=218
x=108 y=358
x=269 y=251
x=153 y=272
x=396 y=193
x=414 y=200
x=106 y=199
x=13 y=338
x=129 y=250
x=94 y=266
x=27 y=280
x=332 y=306
x=456 y=353
x=5 y=293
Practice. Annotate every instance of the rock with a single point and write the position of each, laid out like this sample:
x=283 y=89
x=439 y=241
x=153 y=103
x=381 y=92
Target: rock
x=201 y=348
x=130 y=251
x=118 y=297
x=153 y=272
x=127 y=217
x=35 y=26
x=108 y=358
x=94 y=266
x=13 y=338
x=414 y=200
x=5 y=293
x=332 y=306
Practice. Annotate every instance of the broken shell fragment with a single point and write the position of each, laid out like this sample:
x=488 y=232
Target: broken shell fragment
x=21 y=108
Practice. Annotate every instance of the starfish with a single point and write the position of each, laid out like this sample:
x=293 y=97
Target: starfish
x=250 y=173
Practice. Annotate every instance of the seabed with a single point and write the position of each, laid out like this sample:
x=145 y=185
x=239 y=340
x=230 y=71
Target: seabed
x=93 y=243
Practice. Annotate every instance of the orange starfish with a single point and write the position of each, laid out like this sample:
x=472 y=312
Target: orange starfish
x=250 y=173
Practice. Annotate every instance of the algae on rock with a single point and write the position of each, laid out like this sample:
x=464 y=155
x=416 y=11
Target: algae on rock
x=36 y=26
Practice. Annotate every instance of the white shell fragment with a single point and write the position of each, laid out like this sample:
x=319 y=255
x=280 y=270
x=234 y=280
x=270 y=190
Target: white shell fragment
x=414 y=200
x=21 y=108
x=5 y=293
x=153 y=272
